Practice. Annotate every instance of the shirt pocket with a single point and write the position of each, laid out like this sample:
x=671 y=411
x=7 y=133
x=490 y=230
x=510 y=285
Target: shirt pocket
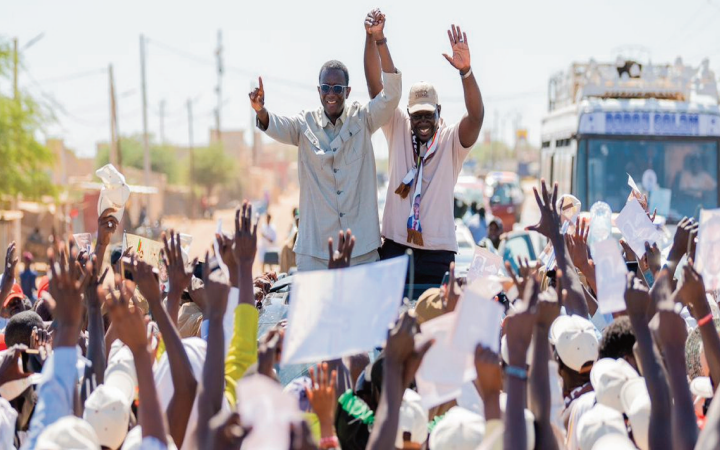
x=353 y=143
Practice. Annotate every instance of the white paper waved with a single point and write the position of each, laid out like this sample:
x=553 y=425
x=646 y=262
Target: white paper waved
x=636 y=227
x=263 y=405
x=83 y=241
x=444 y=363
x=708 y=248
x=484 y=263
x=114 y=193
x=633 y=185
x=610 y=274
x=336 y=313
x=478 y=318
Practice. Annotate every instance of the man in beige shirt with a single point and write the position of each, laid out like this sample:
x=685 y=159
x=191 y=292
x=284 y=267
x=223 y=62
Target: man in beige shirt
x=425 y=159
x=336 y=162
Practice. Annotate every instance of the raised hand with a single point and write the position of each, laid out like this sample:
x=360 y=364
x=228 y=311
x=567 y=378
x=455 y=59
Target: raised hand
x=375 y=23
x=637 y=297
x=127 y=318
x=452 y=292
x=216 y=292
x=525 y=272
x=461 y=52
x=400 y=351
x=489 y=372
x=144 y=276
x=269 y=350
x=549 y=224
x=322 y=396
x=8 y=278
x=520 y=324
x=257 y=96
x=691 y=292
x=341 y=258
x=225 y=246
x=245 y=244
x=92 y=281
x=66 y=288
x=179 y=273
x=681 y=241
x=652 y=259
x=577 y=244
x=107 y=225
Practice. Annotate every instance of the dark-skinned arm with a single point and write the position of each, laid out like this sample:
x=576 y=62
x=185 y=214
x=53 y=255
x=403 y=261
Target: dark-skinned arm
x=637 y=298
x=377 y=54
x=107 y=225
x=184 y=382
x=681 y=243
x=211 y=389
x=96 y=326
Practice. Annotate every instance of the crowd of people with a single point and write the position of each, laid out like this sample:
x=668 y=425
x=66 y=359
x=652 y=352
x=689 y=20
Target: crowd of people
x=98 y=354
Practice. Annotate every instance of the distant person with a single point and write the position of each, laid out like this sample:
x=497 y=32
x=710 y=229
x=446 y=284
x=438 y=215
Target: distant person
x=476 y=223
x=425 y=158
x=338 y=186
x=28 y=278
x=267 y=248
x=287 y=254
x=695 y=181
x=494 y=235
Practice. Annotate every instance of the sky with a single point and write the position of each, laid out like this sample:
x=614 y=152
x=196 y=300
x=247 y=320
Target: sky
x=516 y=45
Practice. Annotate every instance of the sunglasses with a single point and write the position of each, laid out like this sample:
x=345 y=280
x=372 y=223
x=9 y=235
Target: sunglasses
x=422 y=116
x=336 y=88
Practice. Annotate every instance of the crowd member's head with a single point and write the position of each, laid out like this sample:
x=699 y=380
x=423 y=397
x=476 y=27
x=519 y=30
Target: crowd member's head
x=473 y=208
x=15 y=302
x=108 y=412
x=413 y=424
x=695 y=360
x=424 y=110
x=617 y=341
x=597 y=423
x=608 y=376
x=459 y=429
x=334 y=88
x=429 y=305
x=20 y=326
x=494 y=231
x=27 y=260
x=576 y=348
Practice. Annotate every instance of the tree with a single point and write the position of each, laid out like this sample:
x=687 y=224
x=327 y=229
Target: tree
x=26 y=164
x=212 y=167
x=163 y=159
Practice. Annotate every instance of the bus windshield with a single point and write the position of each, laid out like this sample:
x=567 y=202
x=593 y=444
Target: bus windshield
x=680 y=177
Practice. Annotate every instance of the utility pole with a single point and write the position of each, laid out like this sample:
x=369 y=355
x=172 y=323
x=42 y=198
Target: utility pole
x=218 y=89
x=146 y=145
x=191 y=159
x=115 y=156
x=162 y=122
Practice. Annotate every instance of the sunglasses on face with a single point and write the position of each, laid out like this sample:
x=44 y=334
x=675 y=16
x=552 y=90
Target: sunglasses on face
x=336 y=88
x=422 y=116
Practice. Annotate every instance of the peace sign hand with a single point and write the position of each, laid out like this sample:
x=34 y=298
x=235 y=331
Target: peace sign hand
x=461 y=52
x=257 y=96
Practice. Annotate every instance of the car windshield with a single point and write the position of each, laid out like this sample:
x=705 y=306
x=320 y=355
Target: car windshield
x=680 y=177
x=503 y=194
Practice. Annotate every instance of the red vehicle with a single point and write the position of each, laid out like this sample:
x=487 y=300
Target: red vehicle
x=506 y=197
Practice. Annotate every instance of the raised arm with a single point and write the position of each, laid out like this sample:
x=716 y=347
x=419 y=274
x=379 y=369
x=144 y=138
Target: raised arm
x=96 y=327
x=8 y=278
x=472 y=122
x=107 y=225
x=377 y=54
x=184 y=382
x=179 y=274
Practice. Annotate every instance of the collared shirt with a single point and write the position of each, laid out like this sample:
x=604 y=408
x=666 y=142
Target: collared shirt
x=336 y=169
x=439 y=177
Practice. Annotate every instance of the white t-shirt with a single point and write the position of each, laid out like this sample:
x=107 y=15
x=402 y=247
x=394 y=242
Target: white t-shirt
x=439 y=178
x=268 y=237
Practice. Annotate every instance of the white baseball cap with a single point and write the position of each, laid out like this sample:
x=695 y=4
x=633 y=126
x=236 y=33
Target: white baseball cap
x=505 y=353
x=614 y=442
x=134 y=439
x=422 y=97
x=702 y=387
x=108 y=412
x=69 y=432
x=608 y=376
x=636 y=403
x=413 y=419
x=120 y=372
x=575 y=341
x=600 y=421
x=459 y=429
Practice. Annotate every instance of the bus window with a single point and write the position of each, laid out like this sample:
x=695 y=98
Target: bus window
x=679 y=176
x=581 y=173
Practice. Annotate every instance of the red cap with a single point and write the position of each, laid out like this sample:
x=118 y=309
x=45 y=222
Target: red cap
x=3 y=345
x=43 y=285
x=13 y=295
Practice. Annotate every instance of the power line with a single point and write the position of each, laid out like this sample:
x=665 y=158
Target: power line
x=74 y=76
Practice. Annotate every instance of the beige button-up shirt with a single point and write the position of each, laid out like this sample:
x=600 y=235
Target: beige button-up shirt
x=336 y=169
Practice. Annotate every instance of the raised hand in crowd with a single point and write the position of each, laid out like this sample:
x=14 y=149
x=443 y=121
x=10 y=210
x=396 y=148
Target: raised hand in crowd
x=524 y=273
x=682 y=242
x=244 y=250
x=402 y=360
x=340 y=258
x=323 y=398
x=95 y=324
x=489 y=381
x=269 y=350
x=10 y=367
x=257 y=102
x=8 y=278
x=670 y=334
x=66 y=288
x=210 y=395
x=452 y=292
x=375 y=24
x=107 y=226
x=225 y=246
x=460 y=58
x=183 y=378
x=579 y=252
x=130 y=326
x=179 y=273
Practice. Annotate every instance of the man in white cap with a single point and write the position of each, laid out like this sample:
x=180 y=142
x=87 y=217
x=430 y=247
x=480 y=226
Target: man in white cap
x=426 y=156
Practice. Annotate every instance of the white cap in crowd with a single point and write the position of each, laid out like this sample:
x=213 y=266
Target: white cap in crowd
x=636 y=403
x=529 y=421
x=504 y=352
x=615 y=442
x=68 y=432
x=575 y=341
x=133 y=440
x=702 y=387
x=608 y=376
x=413 y=419
x=108 y=412
x=459 y=429
x=120 y=372
x=600 y=421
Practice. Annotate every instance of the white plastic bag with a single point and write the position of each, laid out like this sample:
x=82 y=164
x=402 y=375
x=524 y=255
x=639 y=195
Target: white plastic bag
x=115 y=192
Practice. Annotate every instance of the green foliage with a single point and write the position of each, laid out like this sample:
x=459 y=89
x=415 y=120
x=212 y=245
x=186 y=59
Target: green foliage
x=26 y=164
x=212 y=167
x=163 y=159
x=487 y=154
